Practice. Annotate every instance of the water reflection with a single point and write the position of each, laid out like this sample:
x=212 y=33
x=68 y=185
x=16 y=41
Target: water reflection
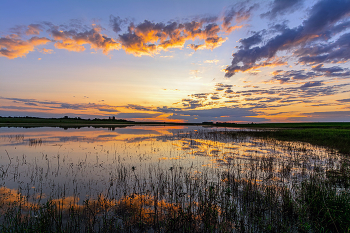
x=85 y=163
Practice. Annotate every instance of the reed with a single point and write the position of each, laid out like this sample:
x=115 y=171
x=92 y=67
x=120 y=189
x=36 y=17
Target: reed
x=267 y=193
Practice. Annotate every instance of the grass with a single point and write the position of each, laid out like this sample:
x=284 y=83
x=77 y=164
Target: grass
x=338 y=139
x=306 y=125
x=231 y=206
x=260 y=195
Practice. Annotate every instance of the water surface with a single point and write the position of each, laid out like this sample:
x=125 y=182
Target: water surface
x=50 y=163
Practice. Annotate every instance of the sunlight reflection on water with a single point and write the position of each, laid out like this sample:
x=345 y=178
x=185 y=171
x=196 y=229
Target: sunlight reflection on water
x=53 y=163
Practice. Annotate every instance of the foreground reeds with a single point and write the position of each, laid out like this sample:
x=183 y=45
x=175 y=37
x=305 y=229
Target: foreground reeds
x=177 y=201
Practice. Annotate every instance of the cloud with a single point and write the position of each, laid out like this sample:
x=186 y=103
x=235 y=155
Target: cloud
x=144 y=38
x=344 y=100
x=261 y=98
x=209 y=43
x=50 y=105
x=323 y=16
x=193 y=103
x=211 y=61
x=46 y=51
x=11 y=47
x=137 y=115
x=330 y=70
x=33 y=113
x=312 y=84
x=138 y=107
x=165 y=109
x=218 y=114
x=292 y=75
x=74 y=41
x=239 y=12
x=282 y=7
x=222 y=87
x=338 y=51
x=252 y=40
x=116 y=23
x=34 y=29
x=330 y=116
x=108 y=110
x=215 y=97
x=148 y=38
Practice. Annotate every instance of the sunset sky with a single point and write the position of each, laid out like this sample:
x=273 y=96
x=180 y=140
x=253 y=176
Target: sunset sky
x=182 y=61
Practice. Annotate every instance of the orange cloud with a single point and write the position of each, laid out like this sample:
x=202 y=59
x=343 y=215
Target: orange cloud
x=73 y=41
x=11 y=47
x=233 y=28
x=46 y=51
x=211 y=61
x=146 y=38
x=70 y=45
x=149 y=38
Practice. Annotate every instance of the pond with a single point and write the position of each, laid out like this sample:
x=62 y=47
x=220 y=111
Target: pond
x=53 y=162
x=157 y=166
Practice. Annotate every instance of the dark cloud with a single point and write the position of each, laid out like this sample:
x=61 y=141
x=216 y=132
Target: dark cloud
x=319 y=70
x=116 y=22
x=338 y=51
x=222 y=87
x=107 y=110
x=292 y=75
x=330 y=70
x=330 y=116
x=60 y=105
x=282 y=7
x=215 y=97
x=200 y=95
x=255 y=39
x=137 y=115
x=35 y=113
x=138 y=107
x=194 y=103
x=22 y=108
x=324 y=15
x=219 y=114
x=344 y=100
x=165 y=109
x=31 y=104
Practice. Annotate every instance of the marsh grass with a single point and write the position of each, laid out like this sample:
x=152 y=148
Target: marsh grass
x=333 y=138
x=229 y=206
x=264 y=194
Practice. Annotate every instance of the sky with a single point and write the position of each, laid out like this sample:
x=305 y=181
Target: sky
x=176 y=60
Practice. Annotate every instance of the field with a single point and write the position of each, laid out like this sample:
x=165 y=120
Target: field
x=174 y=178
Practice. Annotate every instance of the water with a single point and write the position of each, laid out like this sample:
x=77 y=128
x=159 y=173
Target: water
x=52 y=163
